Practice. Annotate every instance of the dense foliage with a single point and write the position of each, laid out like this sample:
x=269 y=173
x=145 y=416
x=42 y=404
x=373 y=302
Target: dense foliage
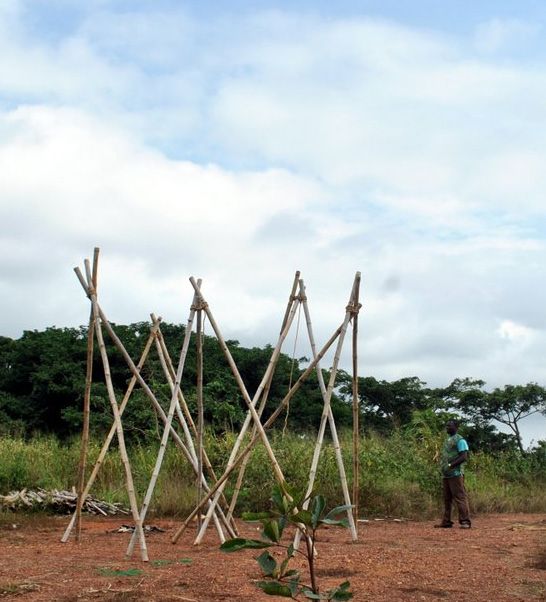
x=399 y=473
x=42 y=377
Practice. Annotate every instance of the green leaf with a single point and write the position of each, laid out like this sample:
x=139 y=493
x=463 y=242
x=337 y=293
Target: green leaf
x=284 y=565
x=277 y=497
x=283 y=521
x=271 y=530
x=317 y=508
x=340 y=593
x=308 y=593
x=274 y=588
x=290 y=551
x=294 y=584
x=340 y=523
x=267 y=563
x=303 y=516
x=239 y=543
x=185 y=561
x=338 y=510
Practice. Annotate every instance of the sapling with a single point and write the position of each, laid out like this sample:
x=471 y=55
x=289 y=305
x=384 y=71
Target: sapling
x=279 y=579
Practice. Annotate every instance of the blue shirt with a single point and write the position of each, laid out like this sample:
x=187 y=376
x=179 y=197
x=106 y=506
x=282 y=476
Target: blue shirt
x=453 y=446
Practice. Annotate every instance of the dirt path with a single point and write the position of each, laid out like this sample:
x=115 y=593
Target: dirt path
x=494 y=561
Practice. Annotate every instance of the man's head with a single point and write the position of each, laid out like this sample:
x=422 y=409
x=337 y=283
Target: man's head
x=452 y=426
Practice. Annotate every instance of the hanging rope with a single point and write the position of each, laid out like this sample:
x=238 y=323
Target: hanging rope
x=292 y=370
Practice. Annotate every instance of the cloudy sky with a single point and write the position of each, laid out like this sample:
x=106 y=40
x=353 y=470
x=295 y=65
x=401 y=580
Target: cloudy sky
x=240 y=141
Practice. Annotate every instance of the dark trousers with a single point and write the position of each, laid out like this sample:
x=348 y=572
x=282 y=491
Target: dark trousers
x=454 y=491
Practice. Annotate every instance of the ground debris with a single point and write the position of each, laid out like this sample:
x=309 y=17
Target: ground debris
x=56 y=501
x=131 y=528
x=15 y=589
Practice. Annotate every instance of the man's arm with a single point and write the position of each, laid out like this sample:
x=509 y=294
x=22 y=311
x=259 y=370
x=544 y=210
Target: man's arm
x=462 y=457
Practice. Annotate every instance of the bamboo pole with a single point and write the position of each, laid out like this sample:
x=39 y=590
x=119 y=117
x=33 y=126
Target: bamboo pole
x=251 y=403
x=112 y=432
x=186 y=419
x=327 y=414
x=168 y=370
x=86 y=404
x=141 y=381
x=136 y=377
x=238 y=459
x=167 y=428
x=287 y=316
x=200 y=412
x=115 y=409
x=356 y=408
x=132 y=367
x=166 y=431
x=192 y=457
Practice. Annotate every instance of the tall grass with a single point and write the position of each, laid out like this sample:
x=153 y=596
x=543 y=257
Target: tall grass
x=399 y=475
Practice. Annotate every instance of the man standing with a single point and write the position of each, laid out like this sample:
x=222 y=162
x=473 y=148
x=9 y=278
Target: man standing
x=454 y=454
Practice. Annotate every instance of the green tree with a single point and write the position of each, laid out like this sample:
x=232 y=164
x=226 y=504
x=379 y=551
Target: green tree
x=509 y=405
x=387 y=405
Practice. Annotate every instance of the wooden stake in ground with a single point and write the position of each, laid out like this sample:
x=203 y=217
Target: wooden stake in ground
x=86 y=404
x=356 y=407
x=174 y=400
x=112 y=432
x=115 y=409
x=327 y=413
x=249 y=402
x=270 y=421
x=136 y=373
x=200 y=411
x=185 y=419
x=293 y=302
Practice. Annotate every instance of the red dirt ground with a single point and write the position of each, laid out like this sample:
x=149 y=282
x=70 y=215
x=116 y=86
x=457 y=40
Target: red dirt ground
x=501 y=558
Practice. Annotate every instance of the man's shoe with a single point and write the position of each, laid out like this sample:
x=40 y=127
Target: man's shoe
x=465 y=525
x=443 y=526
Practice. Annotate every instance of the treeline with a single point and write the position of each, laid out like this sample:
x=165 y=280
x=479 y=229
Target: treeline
x=42 y=378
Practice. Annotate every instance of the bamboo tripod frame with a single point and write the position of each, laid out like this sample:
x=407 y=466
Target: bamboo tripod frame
x=188 y=450
x=259 y=433
x=210 y=496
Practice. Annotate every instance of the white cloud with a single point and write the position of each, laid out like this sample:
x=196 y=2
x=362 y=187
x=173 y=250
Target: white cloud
x=70 y=182
x=240 y=150
x=498 y=34
x=514 y=332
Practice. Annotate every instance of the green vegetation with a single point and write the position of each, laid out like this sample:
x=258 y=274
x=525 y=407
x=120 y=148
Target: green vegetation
x=42 y=378
x=288 y=510
x=108 y=572
x=399 y=475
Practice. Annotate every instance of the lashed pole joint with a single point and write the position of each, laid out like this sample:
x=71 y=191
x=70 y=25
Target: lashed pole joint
x=353 y=308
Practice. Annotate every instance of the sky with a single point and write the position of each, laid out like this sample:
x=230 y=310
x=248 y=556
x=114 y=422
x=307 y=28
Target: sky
x=242 y=141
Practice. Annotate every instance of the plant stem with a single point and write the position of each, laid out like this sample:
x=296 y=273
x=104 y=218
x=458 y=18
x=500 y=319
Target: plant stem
x=310 y=543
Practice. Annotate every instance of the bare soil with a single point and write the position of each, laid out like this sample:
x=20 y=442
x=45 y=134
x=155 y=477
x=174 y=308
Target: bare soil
x=503 y=557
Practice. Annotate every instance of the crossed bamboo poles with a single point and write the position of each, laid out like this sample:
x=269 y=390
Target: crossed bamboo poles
x=209 y=496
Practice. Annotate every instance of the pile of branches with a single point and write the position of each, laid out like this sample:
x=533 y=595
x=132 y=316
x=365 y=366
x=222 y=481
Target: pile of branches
x=57 y=502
